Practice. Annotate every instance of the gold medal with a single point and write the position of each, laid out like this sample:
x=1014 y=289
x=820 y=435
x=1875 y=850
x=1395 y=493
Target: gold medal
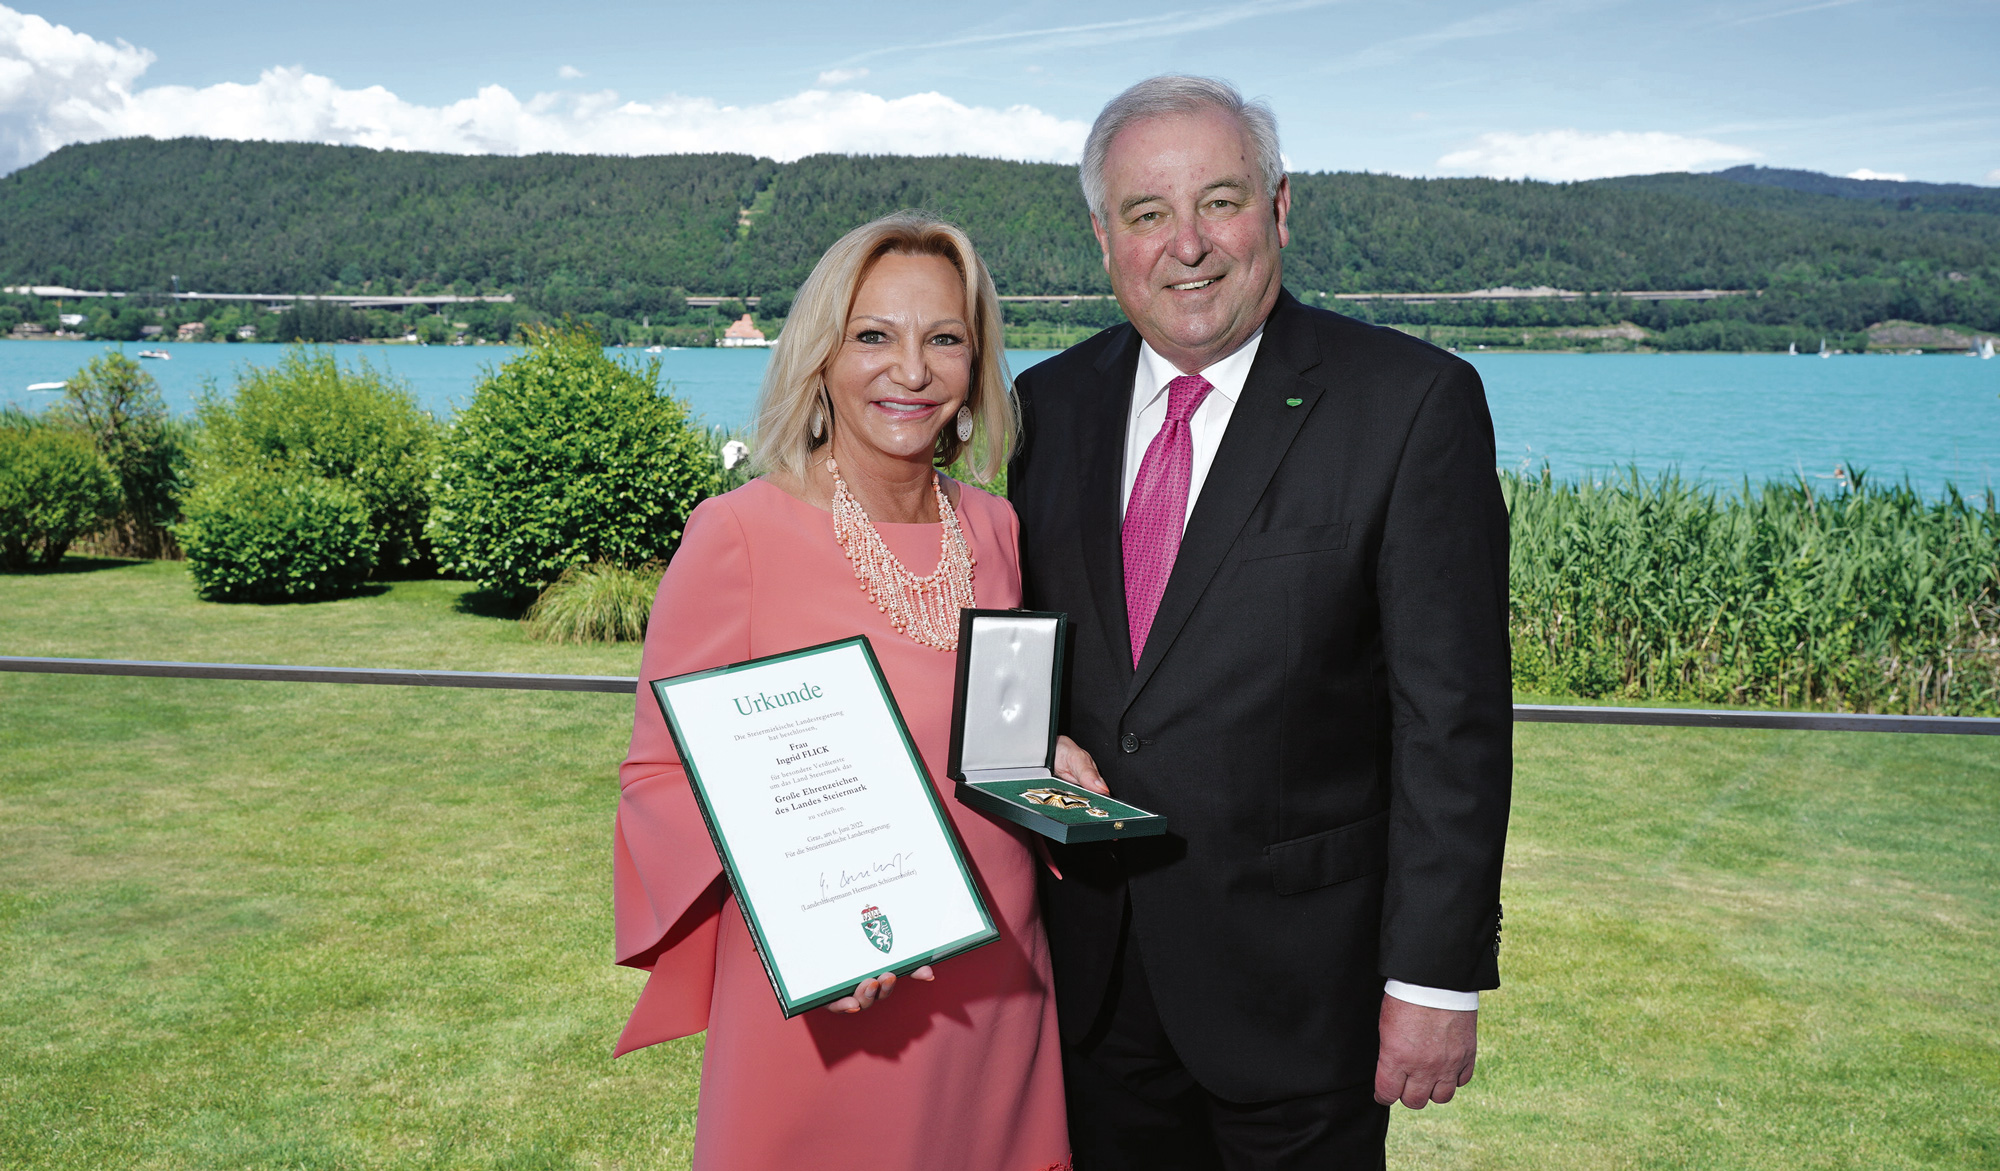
x=1057 y=799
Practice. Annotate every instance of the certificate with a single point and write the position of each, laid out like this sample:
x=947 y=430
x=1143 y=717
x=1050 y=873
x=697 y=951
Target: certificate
x=835 y=843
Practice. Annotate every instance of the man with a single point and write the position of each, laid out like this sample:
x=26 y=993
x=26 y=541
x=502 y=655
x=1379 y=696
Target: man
x=1281 y=541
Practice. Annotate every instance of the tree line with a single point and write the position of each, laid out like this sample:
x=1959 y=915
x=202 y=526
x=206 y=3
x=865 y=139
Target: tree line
x=628 y=238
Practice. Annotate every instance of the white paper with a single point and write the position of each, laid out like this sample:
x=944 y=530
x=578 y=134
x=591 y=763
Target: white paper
x=824 y=815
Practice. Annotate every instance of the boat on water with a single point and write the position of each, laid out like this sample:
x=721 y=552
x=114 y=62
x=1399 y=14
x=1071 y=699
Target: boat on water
x=162 y=355
x=1823 y=351
x=1792 y=349
x=656 y=349
x=1986 y=347
x=41 y=386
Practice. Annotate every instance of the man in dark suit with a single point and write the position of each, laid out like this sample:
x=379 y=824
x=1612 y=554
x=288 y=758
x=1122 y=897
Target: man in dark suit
x=1280 y=538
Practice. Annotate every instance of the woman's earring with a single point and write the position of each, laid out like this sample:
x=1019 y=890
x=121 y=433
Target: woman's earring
x=819 y=421
x=965 y=424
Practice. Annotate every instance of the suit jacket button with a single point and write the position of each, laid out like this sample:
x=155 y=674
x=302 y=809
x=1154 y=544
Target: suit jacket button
x=1130 y=742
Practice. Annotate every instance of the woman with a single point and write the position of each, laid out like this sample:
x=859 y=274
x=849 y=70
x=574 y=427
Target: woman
x=890 y=367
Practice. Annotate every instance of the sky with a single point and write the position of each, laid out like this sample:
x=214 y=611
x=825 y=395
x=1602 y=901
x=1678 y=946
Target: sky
x=1547 y=89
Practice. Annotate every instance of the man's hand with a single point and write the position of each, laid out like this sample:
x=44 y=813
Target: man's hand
x=1074 y=765
x=1427 y=1053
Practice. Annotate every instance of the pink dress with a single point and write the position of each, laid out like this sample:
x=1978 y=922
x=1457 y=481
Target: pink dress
x=962 y=1072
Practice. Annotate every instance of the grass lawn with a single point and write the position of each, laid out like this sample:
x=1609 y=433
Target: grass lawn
x=301 y=926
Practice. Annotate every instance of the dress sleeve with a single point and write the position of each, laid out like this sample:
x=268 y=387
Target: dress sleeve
x=667 y=887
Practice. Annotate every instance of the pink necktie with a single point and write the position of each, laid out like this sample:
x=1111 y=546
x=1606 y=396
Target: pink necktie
x=1157 y=510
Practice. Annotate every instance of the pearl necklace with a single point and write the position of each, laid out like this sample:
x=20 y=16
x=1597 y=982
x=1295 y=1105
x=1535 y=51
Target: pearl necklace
x=924 y=609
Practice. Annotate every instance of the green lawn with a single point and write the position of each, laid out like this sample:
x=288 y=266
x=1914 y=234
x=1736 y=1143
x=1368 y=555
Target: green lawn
x=297 y=925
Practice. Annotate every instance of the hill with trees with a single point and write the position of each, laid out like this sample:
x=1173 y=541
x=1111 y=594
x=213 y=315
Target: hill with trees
x=626 y=238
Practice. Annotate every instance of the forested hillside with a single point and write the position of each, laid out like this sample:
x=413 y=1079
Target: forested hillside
x=625 y=236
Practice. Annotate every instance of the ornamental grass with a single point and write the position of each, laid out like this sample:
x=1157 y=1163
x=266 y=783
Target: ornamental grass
x=599 y=602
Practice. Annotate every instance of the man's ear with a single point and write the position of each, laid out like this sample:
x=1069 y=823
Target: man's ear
x=1282 y=207
x=1103 y=242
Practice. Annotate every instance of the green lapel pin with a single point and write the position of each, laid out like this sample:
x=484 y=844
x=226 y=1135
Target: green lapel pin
x=1295 y=402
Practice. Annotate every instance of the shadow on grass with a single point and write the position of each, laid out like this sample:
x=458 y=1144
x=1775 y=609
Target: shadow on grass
x=367 y=590
x=77 y=565
x=492 y=604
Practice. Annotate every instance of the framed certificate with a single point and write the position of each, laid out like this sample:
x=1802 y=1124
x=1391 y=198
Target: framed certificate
x=833 y=838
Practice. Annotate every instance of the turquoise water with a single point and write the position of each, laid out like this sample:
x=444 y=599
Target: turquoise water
x=1721 y=417
x=1714 y=417
x=722 y=383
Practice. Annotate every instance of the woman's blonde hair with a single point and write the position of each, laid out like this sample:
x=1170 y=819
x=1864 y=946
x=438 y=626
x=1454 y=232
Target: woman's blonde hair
x=794 y=382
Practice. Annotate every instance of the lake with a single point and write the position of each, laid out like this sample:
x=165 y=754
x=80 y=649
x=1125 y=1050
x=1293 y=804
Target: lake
x=1714 y=417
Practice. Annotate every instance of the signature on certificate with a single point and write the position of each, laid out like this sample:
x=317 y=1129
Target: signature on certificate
x=889 y=869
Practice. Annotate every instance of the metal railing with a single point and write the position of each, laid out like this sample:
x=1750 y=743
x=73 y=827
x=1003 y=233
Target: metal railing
x=1533 y=713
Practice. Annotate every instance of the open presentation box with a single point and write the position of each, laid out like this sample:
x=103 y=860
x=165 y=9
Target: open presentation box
x=1003 y=732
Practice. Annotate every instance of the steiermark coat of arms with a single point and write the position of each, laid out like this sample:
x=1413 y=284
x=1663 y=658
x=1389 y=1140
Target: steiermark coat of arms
x=875 y=925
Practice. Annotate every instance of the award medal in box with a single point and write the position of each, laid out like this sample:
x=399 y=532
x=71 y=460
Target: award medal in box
x=1003 y=732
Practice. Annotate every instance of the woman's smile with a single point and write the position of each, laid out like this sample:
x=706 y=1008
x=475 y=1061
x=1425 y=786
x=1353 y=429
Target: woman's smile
x=904 y=409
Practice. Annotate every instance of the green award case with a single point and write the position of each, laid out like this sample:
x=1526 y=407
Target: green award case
x=1003 y=730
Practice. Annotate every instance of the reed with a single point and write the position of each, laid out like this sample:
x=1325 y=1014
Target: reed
x=1863 y=599
x=599 y=602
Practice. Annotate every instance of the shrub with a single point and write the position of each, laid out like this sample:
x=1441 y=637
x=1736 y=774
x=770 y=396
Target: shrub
x=118 y=405
x=310 y=416
x=599 y=602
x=565 y=457
x=259 y=535
x=54 y=488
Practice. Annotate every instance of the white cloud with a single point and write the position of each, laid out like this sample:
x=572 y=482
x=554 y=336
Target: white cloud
x=1567 y=155
x=1993 y=176
x=1865 y=173
x=842 y=76
x=58 y=86
x=54 y=85
x=569 y=73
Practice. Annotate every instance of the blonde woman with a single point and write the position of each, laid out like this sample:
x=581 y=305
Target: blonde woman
x=890 y=368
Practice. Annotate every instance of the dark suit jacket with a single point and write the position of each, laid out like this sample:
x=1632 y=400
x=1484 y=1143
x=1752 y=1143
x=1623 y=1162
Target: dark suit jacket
x=1322 y=711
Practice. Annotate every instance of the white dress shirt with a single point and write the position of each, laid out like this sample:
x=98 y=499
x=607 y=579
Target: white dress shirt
x=1148 y=413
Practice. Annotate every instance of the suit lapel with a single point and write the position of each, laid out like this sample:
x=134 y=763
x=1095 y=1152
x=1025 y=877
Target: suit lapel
x=1103 y=453
x=1261 y=429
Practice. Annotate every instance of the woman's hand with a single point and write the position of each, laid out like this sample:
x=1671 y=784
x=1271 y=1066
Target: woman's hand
x=1074 y=765
x=875 y=988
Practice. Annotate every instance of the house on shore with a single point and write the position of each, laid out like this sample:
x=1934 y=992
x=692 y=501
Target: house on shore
x=742 y=332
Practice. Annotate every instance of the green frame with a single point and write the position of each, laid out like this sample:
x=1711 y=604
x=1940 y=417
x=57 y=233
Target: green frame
x=790 y=1004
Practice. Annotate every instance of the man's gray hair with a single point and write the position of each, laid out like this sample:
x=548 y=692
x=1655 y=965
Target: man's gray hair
x=1176 y=93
